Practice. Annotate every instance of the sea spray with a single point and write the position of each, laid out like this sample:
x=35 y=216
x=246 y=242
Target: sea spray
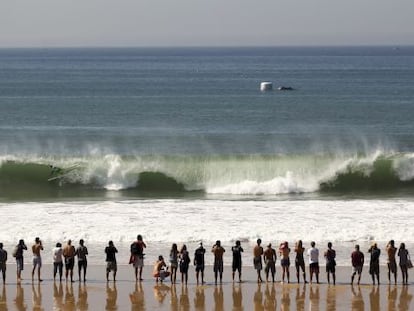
x=234 y=175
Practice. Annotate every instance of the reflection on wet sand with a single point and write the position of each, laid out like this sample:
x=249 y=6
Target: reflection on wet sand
x=184 y=300
x=258 y=298
x=160 y=292
x=37 y=297
x=270 y=297
x=70 y=303
x=57 y=296
x=218 y=298
x=174 y=298
x=374 y=298
x=300 y=297
x=285 y=299
x=237 y=294
x=111 y=297
x=392 y=297
x=200 y=299
x=19 y=300
x=314 y=297
x=236 y=297
x=3 y=299
x=357 y=298
x=405 y=299
x=137 y=298
x=331 y=298
x=82 y=297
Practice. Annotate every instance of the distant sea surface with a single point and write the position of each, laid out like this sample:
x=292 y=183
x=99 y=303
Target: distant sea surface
x=181 y=144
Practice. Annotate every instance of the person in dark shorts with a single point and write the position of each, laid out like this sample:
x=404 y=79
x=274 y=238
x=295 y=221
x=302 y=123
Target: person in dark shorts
x=404 y=258
x=300 y=261
x=374 y=265
x=18 y=254
x=357 y=258
x=218 y=252
x=313 y=254
x=184 y=264
x=69 y=255
x=111 y=265
x=82 y=252
x=284 y=252
x=330 y=255
x=57 y=261
x=3 y=260
x=257 y=260
x=237 y=251
x=199 y=262
x=269 y=257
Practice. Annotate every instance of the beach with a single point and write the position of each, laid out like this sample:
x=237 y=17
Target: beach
x=126 y=294
x=181 y=146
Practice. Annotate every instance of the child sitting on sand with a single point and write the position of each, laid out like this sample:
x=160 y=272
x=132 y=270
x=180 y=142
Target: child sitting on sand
x=160 y=270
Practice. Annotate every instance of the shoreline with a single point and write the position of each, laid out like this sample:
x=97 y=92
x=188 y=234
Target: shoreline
x=125 y=293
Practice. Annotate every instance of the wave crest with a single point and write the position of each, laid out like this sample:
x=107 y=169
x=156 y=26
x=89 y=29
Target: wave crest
x=239 y=175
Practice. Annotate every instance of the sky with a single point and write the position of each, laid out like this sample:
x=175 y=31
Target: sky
x=151 y=23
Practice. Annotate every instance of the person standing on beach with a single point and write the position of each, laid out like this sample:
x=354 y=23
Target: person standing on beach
x=313 y=254
x=237 y=251
x=111 y=265
x=257 y=259
x=357 y=258
x=374 y=266
x=137 y=256
x=37 y=259
x=82 y=252
x=330 y=255
x=57 y=261
x=391 y=263
x=18 y=254
x=218 y=252
x=69 y=255
x=284 y=252
x=184 y=264
x=404 y=257
x=300 y=261
x=173 y=262
x=3 y=260
x=269 y=256
x=199 y=262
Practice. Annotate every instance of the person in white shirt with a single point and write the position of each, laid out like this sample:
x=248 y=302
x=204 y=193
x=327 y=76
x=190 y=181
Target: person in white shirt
x=313 y=254
x=58 y=261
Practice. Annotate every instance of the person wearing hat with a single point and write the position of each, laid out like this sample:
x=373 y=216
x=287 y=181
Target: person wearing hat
x=374 y=267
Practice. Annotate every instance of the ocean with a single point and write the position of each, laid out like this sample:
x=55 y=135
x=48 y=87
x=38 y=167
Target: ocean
x=180 y=145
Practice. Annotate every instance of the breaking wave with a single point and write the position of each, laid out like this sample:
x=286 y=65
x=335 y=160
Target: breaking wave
x=239 y=175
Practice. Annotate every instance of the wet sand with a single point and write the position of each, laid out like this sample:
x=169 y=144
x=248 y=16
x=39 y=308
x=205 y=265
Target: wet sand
x=126 y=294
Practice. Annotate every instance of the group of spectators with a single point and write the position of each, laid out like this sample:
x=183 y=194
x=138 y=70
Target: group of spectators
x=180 y=259
x=267 y=258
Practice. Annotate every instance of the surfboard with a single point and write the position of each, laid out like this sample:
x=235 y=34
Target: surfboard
x=62 y=172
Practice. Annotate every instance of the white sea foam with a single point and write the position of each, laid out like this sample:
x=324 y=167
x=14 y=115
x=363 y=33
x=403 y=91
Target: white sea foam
x=189 y=221
x=404 y=167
